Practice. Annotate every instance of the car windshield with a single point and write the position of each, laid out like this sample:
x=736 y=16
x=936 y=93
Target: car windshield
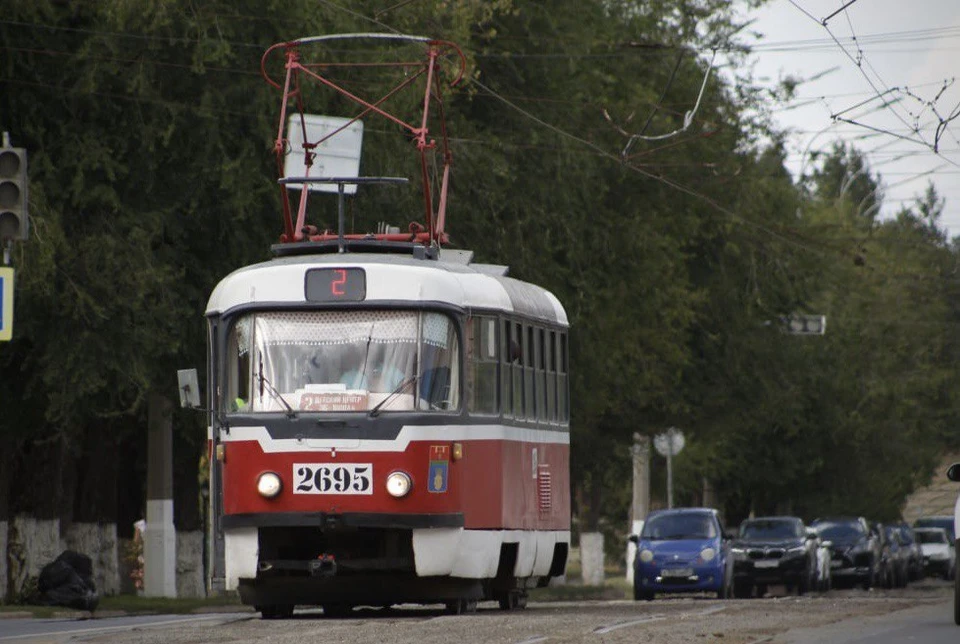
x=934 y=522
x=335 y=361
x=692 y=525
x=931 y=536
x=769 y=529
x=839 y=530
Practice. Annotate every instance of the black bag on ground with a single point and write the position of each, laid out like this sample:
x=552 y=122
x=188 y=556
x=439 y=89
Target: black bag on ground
x=68 y=581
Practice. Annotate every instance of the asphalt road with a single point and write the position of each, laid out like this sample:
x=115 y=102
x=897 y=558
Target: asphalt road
x=920 y=613
x=39 y=631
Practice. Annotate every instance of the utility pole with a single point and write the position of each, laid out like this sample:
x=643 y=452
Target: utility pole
x=641 y=494
x=160 y=537
x=641 y=477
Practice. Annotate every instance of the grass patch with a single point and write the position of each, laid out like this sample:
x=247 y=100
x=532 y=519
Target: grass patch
x=33 y=611
x=134 y=605
x=616 y=588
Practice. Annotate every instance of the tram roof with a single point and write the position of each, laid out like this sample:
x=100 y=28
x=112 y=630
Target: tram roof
x=390 y=278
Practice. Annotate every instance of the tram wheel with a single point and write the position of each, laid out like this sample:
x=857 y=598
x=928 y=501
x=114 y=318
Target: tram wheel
x=513 y=600
x=461 y=606
x=276 y=611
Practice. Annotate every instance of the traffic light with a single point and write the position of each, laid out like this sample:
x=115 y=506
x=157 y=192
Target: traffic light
x=803 y=324
x=14 y=223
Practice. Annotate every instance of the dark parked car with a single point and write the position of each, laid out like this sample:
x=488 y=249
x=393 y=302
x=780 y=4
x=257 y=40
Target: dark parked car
x=855 y=552
x=894 y=557
x=773 y=550
x=915 y=552
x=682 y=550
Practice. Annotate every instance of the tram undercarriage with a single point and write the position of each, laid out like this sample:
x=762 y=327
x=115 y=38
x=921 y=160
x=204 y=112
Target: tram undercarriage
x=349 y=567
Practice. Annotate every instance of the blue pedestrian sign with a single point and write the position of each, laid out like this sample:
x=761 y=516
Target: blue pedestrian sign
x=6 y=303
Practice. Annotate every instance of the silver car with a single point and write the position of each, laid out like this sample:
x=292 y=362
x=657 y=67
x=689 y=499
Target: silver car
x=939 y=554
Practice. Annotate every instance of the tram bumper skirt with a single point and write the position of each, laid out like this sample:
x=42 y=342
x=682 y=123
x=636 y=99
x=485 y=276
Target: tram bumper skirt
x=332 y=521
x=357 y=590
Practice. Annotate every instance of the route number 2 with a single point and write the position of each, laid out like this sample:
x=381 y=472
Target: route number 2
x=326 y=478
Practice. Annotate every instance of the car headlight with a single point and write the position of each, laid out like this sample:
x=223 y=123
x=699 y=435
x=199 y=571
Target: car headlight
x=707 y=554
x=269 y=484
x=399 y=484
x=738 y=553
x=799 y=550
x=646 y=556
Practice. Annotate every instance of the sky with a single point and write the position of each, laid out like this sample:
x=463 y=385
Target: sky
x=884 y=76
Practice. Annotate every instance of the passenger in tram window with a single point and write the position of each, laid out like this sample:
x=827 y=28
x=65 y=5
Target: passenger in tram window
x=372 y=371
x=321 y=366
x=352 y=368
x=386 y=379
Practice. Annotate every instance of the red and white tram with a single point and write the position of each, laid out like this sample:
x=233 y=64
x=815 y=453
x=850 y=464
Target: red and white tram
x=391 y=429
x=390 y=421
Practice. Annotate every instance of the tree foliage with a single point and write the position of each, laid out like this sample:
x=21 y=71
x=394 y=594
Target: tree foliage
x=677 y=258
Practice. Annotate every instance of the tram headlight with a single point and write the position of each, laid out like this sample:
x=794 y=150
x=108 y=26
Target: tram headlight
x=269 y=484
x=399 y=484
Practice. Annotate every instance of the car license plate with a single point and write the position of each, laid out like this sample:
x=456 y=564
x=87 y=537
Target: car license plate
x=677 y=572
x=766 y=563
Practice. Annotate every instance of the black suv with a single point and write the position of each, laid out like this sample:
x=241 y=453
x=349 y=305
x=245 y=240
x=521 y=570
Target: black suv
x=773 y=550
x=855 y=550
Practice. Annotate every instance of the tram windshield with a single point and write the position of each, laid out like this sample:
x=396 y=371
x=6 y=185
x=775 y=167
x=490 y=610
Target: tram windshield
x=335 y=361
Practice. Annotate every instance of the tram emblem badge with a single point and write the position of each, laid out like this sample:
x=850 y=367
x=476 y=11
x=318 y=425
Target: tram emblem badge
x=439 y=465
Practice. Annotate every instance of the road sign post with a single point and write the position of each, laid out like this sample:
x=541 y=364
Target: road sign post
x=6 y=303
x=669 y=444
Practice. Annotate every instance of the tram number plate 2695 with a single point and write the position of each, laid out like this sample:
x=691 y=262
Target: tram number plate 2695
x=329 y=478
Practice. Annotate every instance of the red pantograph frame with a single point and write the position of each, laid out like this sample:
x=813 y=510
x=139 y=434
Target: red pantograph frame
x=295 y=69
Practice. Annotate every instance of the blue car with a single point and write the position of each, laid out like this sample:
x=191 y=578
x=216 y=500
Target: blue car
x=682 y=550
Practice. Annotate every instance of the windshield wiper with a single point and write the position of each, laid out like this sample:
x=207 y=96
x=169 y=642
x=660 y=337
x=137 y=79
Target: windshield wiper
x=273 y=390
x=403 y=385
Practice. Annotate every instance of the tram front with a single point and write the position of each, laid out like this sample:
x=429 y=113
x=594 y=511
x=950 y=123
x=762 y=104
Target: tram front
x=335 y=434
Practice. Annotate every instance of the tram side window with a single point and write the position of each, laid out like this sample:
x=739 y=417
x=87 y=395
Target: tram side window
x=563 y=408
x=483 y=365
x=551 y=370
x=517 y=368
x=529 y=362
x=440 y=364
x=506 y=372
x=237 y=377
x=541 y=386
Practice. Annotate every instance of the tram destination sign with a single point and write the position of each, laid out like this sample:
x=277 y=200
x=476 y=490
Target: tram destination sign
x=336 y=285
x=334 y=401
